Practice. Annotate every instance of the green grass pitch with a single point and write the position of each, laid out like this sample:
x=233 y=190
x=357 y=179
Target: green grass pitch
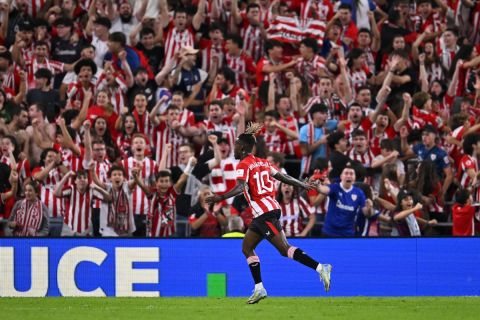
x=235 y=308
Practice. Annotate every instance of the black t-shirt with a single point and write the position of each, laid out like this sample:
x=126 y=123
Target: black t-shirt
x=149 y=89
x=155 y=56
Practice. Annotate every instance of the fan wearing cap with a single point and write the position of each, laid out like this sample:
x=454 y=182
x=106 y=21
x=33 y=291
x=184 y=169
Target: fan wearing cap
x=188 y=78
x=429 y=150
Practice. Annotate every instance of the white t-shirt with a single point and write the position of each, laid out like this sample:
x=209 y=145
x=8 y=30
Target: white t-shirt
x=101 y=48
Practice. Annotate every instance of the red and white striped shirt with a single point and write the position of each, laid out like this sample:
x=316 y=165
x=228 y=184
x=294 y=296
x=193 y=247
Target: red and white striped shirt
x=75 y=92
x=242 y=65
x=144 y=126
x=225 y=127
x=47 y=190
x=116 y=93
x=293 y=215
x=309 y=70
x=366 y=158
x=259 y=191
x=22 y=168
x=175 y=40
x=223 y=177
x=33 y=65
x=163 y=135
x=78 y=208
x=252 y=39
x=187 y=118
x=208 y=50
x=149 y=168
x=292 y=148
x=34 y=7
x=467 y=162
x=323 y=11
x=358 y=78
x=162 y=214
x=101 y=169
x=276 y=141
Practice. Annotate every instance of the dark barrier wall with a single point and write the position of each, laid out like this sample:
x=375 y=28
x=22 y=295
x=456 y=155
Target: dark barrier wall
x=130 y=267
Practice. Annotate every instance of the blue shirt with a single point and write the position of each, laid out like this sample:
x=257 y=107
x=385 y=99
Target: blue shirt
x=132 y=59
x=437 y=155
x=371 y=7
x=343 y=206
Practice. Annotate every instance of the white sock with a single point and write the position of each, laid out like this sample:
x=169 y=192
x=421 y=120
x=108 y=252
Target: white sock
x=319 y=268
x=258 y=286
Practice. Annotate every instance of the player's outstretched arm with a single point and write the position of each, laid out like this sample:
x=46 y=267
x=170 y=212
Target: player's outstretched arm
x=232 y=193
x=285 y=178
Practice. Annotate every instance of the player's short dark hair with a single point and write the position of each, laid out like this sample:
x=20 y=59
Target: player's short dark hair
x=215 y=103
x=116 y=168
x=235 y=38
x=461 y=196
x=270 y=44
x=180 y=10
x=228 y=74
x=334 y=138
x=118 y=37
x=172 y=107
x=318 y=107
x=215 y=26
x=310 y=43
x=468 y=142
x=82 y=173
x=44 y=153
x=272 y=113
x=453 y=29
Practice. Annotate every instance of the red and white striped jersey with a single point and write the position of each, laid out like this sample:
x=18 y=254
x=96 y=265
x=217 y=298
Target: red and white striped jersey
x=149 y=169
x=162 y=135
x=293 y=215
x=242 y=65
x=292 y=148
x=162 y=214
x=420 y=24
x=467 y=162
x=293 y=30
x=252 y=39
x=76 y=92
x=78 y=208
x=34 y=7
x=260 y=189
x=101 y=169
x=321 y=10
x=208 y=50
x=309 y=70
x=116 y=93
x=47 y=189
x=11 y=79
x=225 y=127
x=446 y=55
x=223 y=177
x=435 y=72
x=175 y=40
x=32 y=65
x=28 y=52
x=375 y=138
x=22 y=168
x=187 y=118
x=337 y=110
x=276 y=141
x=366 y=159
x=358 y=78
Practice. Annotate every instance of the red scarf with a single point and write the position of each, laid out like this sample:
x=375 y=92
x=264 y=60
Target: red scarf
x=28 y=218
x=118 y=212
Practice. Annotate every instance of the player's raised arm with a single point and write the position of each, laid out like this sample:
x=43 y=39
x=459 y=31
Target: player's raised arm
x=232 y=193
x=285 y=178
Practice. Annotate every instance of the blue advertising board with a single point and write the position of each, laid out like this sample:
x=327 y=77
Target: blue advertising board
x=183 y=267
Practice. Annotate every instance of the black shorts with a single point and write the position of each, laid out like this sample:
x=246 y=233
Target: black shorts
x=267 y=225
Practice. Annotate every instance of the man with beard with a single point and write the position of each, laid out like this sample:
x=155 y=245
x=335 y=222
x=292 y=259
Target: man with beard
x=224 y=85
x=124 y=20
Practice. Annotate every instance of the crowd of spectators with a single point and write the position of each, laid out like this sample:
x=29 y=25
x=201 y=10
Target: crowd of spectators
x=119 y=117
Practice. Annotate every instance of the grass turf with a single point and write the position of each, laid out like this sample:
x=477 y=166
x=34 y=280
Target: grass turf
x=235 y=308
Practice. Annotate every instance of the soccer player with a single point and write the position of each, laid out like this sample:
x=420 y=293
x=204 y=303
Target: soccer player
x=254 y=179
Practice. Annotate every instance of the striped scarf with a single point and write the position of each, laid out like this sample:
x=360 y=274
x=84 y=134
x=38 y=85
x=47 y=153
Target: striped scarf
x=28 y=218
x=118 y=212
